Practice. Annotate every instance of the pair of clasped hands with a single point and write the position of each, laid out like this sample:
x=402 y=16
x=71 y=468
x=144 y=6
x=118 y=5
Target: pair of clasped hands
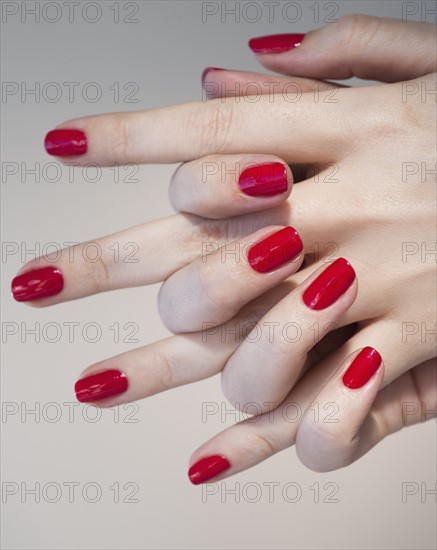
x=300 y=263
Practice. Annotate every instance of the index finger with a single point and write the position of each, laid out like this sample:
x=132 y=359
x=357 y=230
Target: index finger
x=264 y=124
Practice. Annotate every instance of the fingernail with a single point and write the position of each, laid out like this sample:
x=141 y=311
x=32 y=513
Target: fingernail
x=264 y=180
x=65 y=142
x=38 y=283
x=329 y=285
x=206 y=71
x=362 y=368
x=281 y=247
x=100 y=386
x=208 y=468
x=275 y=43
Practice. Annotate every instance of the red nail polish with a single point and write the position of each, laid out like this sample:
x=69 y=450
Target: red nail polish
x=65 y=142
x=38 y=283
x=206 y=71
x=362 y=368
x=281 y=247
x=329 y=285
x=100 y=386
x=275 y=43
x=264 y=180
x=207 y=468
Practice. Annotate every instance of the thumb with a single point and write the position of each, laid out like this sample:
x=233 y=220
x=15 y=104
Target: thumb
x=374 y=48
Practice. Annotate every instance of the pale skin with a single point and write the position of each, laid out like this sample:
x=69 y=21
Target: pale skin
x=365 y=213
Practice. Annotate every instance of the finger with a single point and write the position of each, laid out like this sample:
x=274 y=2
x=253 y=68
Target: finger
x=160 y=366
x=267 y=364
x=130 y=258
x=133 y=257
x=365 y=417
x=223 y=186
x=176 y=361
x=374 y=48
x=214 y=287
x=259 y=437
x=192 y=130
x=325 y=446
x=359 y=418
x=220 y=83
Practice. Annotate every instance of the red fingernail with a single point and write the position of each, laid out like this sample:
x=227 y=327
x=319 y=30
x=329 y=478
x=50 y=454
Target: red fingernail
x=275 y=43
x=208 y=468
x=264 y=180
x=38 y=283
x=100 y=386
x=362 y=368
x=281 y=247
x=206 y=71
x=65 y=142
x=329 y=285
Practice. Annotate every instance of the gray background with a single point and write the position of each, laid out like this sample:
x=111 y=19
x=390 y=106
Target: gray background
x=164 y=54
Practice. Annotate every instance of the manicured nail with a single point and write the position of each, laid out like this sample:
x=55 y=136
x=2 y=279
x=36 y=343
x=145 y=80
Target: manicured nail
x=207 y=70
x=275 y=43
x=100 y=386
x=362 y=368
x=329 y=285
x=264 y=180
x=38 y=283
x=65 y=142
x=208 y=468
x=281 y=247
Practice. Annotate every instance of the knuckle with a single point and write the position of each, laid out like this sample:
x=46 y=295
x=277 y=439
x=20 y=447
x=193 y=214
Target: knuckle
x=356 y=34
x=356 y=27
x=121 y=133
x=211 y=124
x=380 y=119
x=216 y=232
x=208 y=283
x=165 y=371
x=100 y=269
x=171 y=307
x=263 y=445
x=178 y=193
x=219 y=301
x=335 y=448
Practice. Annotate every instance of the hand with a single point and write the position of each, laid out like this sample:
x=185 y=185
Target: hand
x=355 y=146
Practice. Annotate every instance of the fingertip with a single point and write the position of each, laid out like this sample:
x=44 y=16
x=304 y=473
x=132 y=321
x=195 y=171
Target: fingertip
x=35 y=284
x=208 y=468
x=66 y=142
x=362 y=368
x=276 y=43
